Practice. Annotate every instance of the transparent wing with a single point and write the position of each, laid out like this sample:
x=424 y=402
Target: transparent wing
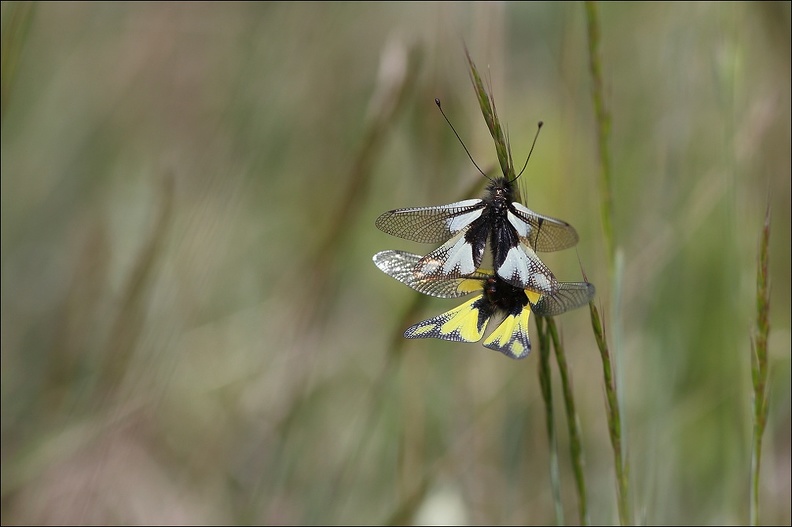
x=430 y=224
x=522 y=268
x=543 y=233
x=401 y=266
x=511 y=336
x=465 y=323
x=570 y=295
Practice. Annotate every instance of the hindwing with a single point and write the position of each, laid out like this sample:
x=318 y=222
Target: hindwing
x=511 y=336
x=402 y=266
x=464 y=323
x=569 y=295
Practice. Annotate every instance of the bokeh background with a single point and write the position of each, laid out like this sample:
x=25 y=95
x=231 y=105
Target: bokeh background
x=192 y=327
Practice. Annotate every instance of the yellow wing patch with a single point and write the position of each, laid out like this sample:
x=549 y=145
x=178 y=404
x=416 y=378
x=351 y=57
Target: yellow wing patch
x=533 y=296
x=473 y=285
x=511 y=336
x=460 y=324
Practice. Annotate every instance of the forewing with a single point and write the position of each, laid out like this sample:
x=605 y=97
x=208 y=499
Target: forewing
x=543 y=233
x=522 y=268
x=430 y=224
x=511 y=336
x=465 y=323
x=401 y=266
x=570 y=295
x=454 y=259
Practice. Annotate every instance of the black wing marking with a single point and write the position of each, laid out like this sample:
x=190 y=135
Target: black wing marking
x=545 y=234
x=430 y=224
x=401 y=266
x=569 y=295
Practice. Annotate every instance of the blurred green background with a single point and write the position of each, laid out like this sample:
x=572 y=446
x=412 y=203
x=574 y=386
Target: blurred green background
x=192 y=327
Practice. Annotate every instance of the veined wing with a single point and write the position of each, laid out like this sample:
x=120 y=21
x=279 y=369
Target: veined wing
x=522 y=268
x=542 y=233
x=430 y=224
x=456 y=258
x=401 y=266
x=465 y=323
x=570 y=295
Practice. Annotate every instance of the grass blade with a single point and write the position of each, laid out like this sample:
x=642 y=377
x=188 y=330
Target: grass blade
x=547 y=395
x=614 y=420
x=573 y=423
x=603 y=128
x=759 y=366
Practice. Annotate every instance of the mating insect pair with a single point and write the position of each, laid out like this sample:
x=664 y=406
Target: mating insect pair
x=519 y=278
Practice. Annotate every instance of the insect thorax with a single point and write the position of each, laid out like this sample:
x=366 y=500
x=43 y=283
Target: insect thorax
x=504 y=296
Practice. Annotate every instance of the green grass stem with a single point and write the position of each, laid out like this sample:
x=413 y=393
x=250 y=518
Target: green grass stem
x=573 y=423
x=603 y=129
x=759 y=366
x=614 y=420
x=547 y=396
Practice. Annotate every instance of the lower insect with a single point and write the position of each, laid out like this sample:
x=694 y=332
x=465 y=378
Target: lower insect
x=496 y=299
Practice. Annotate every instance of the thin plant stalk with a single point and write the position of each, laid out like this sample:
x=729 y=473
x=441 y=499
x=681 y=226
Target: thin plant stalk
x=759 y=366
x=547 y=395
x=573 y=423
x=603 y=129
x=614 y=420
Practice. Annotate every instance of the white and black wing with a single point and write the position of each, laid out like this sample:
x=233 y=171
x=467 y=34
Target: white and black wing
x=401 y=266
x=458 y=257
x=569 y=295
x=522 y=268
x=430 y=224
x=542 y=233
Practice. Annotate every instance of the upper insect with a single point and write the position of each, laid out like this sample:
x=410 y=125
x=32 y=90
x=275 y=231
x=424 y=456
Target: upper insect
x=514 y=232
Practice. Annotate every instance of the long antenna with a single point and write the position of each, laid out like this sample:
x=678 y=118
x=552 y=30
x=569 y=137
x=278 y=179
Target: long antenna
x=437 y=102
x=538 y=128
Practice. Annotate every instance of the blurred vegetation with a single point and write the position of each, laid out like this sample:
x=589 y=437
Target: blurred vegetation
x=192 y=328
